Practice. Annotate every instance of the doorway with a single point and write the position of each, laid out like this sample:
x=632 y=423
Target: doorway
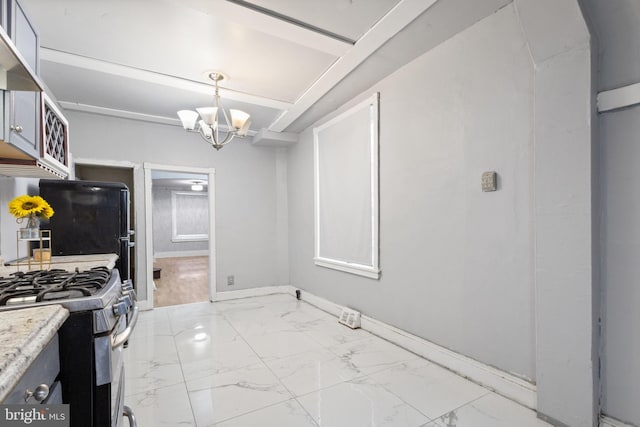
x=180 y=220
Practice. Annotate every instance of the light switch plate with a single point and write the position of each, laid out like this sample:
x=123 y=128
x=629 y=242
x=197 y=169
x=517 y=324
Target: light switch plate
x=489 y=181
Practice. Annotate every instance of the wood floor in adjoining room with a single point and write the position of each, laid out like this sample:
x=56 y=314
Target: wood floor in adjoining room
x=183 y=280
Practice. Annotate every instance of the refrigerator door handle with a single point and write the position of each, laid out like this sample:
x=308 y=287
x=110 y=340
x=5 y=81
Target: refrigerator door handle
x=126 y=238
x=129 y=242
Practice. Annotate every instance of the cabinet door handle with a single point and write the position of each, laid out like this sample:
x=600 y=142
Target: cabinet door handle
x=16 y=128
x=39 y=394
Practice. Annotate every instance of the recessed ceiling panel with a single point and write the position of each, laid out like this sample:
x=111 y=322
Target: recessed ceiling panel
x=168 y=38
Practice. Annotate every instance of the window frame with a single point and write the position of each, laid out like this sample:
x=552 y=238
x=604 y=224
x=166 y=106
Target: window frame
x=371 y=270
x=175 y=236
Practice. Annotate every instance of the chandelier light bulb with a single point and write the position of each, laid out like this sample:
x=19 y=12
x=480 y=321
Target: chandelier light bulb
x=188 y=119
x=238 y=118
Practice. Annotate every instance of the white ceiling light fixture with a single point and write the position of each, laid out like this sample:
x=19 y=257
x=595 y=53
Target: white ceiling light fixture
x=207 y=121
x=197 y=186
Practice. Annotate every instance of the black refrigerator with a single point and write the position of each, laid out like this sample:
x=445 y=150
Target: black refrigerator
x=90 y=218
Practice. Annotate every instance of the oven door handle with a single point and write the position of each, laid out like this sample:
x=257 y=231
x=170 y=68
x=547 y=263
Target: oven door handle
x=127 y=412
x=123 y=336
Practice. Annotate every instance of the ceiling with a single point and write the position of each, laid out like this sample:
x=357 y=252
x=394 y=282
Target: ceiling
x=288 y=62
x=178 y=180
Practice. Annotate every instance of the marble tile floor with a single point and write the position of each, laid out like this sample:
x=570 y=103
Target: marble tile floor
x=276 y=361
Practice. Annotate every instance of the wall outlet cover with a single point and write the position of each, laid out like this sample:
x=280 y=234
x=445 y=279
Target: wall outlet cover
x=489 y=181
x=350 y=318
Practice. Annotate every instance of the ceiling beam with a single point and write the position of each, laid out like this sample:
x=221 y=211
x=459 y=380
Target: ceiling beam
x=93 y=64
x=292 y=20
x=124 y=114
x=387 y=27
x=271 y=24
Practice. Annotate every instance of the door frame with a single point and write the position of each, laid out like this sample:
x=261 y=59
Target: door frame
x=148 y=206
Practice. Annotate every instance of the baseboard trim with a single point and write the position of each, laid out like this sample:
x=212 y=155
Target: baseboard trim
x=255 y=292
x=606 y=421
x=503 y=383
x=144 y=305
x=179 y=254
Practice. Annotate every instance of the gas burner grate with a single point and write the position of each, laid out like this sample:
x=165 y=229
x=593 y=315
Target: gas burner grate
x=51 y=285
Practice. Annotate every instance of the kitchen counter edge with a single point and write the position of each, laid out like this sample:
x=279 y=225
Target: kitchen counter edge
x=23 y=335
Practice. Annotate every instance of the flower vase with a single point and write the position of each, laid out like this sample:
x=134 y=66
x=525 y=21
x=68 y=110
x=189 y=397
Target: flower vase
x=32 y=230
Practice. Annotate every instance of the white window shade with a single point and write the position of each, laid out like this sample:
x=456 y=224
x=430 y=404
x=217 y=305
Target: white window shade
x=346 y=191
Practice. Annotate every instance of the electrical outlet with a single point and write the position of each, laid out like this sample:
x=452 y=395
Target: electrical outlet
x=230 y=280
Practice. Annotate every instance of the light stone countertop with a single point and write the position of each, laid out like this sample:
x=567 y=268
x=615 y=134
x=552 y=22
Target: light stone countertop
x=23 y=335
x=68 y=262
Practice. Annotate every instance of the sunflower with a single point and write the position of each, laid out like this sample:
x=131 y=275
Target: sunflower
x=30 y=206
x=47 y=212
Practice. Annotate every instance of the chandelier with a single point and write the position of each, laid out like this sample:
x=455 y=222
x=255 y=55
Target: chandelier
x=207 y=120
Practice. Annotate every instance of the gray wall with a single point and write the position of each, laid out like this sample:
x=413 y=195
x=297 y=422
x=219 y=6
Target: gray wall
x=162 y=224
x=247 y=243
x=620 y=271
x=456 y=263
x=509 y=278
x=617 y=25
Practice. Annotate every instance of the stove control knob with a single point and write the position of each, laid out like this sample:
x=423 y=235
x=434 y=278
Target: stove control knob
x=127 y=300
x=131 y=294
x=127 y=285
x=120 y=308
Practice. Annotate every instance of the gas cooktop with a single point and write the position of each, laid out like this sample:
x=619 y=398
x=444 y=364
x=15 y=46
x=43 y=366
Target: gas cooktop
x=75 y=290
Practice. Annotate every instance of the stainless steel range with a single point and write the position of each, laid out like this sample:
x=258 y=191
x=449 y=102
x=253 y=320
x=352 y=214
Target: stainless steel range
x=102 y=315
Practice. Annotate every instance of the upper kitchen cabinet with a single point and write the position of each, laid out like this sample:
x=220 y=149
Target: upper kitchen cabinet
x=22 y=108
x=55 y=138
x=34 y=131
x=16 y=71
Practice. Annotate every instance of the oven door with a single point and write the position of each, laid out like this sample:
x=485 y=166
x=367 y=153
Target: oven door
x=119 y=337
x=109 y=395
x=117 y=383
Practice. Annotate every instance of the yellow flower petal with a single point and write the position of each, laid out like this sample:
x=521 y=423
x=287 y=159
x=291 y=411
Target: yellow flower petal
x=24 y=206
